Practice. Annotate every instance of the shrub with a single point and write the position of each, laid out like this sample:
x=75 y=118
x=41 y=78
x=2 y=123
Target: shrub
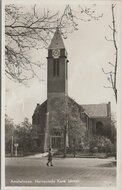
x=98 y=144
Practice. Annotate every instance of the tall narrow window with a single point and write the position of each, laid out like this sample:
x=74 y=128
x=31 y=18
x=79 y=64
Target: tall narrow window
x=56 y=67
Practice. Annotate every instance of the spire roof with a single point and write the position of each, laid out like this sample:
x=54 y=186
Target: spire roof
x=57 y=41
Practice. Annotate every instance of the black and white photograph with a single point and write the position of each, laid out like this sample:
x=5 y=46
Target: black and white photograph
x=61 y=72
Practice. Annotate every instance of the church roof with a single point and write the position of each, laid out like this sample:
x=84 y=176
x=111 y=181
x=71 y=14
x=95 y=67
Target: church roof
x=96 y=110
x=57 y=41
x=92 y=110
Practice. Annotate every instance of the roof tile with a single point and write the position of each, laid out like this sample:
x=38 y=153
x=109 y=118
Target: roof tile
x=95 y=110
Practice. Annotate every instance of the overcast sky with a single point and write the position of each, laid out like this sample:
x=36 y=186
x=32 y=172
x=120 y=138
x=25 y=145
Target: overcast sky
x=88 y=53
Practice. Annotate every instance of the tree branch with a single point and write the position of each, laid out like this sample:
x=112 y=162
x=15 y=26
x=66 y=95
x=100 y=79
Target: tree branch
x=109 y=40
x=113 y=75
x=111 y=64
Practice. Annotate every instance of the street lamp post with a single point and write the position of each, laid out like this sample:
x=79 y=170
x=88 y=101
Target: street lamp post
x=65 y=131
x=16 y=146
x=12 y=145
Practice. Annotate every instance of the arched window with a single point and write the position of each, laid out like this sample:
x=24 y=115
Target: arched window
x=99 y=128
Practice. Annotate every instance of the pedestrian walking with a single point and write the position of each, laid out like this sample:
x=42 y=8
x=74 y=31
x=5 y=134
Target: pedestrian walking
x=50 y=158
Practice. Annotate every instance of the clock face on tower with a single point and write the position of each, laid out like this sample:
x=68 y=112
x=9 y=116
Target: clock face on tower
x=56 y=53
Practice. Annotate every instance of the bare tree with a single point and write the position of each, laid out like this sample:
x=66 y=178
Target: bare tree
x=112 y=74
x=66 y=113
x=25 y=30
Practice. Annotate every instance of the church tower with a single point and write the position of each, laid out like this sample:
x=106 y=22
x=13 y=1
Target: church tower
x=57 y=91
x=57 y=65
x=60 y=122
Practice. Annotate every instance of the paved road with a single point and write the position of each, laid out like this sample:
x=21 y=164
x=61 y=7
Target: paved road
x=65 y=172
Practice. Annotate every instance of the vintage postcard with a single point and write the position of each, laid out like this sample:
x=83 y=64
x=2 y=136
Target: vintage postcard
x=61 y=73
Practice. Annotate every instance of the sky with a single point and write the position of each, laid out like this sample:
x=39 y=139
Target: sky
x=88 y=53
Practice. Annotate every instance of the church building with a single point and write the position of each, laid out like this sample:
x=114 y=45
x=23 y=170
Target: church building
x=59 y=121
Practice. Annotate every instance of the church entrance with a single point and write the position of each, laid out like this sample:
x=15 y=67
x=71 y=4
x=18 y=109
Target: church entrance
x=56 y=142
x=56 y=138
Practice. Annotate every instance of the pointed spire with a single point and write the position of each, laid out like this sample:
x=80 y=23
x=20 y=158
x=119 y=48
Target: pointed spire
x=57 y=41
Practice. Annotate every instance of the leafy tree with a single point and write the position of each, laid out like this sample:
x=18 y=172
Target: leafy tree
x=114 y=136
x=24 y=136
x=9 y=133
x=104 y=144
x=113 y=133
x=97 y=144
